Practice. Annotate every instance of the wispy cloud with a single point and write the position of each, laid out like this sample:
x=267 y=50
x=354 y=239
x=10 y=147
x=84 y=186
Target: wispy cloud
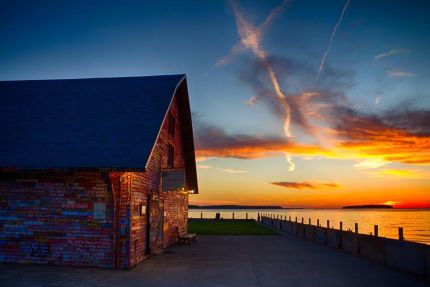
x=333 y=34
x=251 y=101
x=250 y=36
x=291 y=164
x=399 y=73
x=391 y=52
x=306 y=185
x=204 y=166
x=377 y=100
x=227 y=170
x=371 y=163
x=403 y=173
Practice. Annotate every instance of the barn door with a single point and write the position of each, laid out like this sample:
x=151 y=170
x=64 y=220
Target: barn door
x=156 y=219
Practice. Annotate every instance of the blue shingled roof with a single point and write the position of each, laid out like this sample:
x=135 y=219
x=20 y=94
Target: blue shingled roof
x=82 y=123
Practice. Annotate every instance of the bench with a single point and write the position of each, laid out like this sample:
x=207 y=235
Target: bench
x=188 y=238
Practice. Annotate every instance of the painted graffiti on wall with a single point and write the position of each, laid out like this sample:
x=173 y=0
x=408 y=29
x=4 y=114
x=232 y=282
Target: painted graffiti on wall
x=52 y=218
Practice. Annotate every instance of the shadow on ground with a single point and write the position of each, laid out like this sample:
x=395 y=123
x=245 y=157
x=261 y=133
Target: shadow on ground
x=226 y=261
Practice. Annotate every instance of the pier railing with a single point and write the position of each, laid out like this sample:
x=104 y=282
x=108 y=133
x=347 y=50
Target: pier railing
x=398 y=253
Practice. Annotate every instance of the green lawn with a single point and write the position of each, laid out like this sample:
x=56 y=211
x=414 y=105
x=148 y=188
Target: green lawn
x=227 y=227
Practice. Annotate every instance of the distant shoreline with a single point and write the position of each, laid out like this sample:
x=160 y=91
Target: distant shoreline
x=368 y=206
x=239 y=207
x=263 y=207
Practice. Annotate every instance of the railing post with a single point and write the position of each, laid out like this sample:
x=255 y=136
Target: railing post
x=289 y=218
x=247 y=215
x=201 y=215
x=356 y=228
x=302 y=220
x=401 y=237
x=376 y=230
x=296 y=219
x=309 y=221
x=233 y=215
x=340 y=226
x=328 y=223
x=318 y=222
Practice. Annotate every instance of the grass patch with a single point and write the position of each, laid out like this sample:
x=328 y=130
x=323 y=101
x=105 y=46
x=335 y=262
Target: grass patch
x=227 y=227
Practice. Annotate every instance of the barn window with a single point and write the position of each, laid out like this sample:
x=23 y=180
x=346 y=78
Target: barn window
x=171 y=156
x=172 y=125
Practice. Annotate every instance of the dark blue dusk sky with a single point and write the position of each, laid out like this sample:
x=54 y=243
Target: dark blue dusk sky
x=378 y=63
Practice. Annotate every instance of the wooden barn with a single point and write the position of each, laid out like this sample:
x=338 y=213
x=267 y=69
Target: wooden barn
x=94 y=172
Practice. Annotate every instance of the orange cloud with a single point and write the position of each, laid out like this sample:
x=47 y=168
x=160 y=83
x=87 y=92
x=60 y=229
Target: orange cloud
x=374 y=154
x=402 y=136
x=306 y=185
x=403 y=173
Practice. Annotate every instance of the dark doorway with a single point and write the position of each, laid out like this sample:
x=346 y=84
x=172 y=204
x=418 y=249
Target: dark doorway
x=155 y=219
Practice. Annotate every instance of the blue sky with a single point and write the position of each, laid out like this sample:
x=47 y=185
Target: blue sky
x=378 y=62
x=62 y=39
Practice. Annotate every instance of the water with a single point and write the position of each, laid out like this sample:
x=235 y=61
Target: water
x=415 y=222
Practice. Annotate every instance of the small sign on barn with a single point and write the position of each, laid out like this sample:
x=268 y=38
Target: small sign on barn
x=172 y=179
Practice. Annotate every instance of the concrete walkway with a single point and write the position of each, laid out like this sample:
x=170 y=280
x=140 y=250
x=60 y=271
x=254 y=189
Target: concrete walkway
x=226 y=261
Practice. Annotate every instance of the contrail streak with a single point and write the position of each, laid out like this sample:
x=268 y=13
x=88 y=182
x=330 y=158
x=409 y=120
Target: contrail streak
x=333 y=34
x=239 y=47
x=250 y=38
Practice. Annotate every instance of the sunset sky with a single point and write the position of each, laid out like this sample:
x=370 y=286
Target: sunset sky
x=295 y=103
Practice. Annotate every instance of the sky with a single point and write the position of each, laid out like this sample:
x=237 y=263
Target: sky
x=296 y=103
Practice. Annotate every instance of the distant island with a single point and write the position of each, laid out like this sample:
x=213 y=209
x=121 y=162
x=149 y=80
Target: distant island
x=368 y=206
x=237 y=207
